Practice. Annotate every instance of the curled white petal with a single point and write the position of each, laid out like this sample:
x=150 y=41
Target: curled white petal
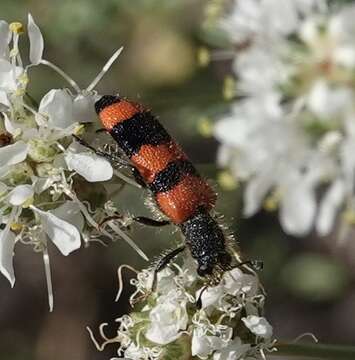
x=20 y=194
x=36 y=41
x=13 y=154
x=7 y=244
x=63 y=234
x=90 y=166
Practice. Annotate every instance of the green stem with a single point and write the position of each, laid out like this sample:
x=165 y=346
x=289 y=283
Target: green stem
x=315 y=351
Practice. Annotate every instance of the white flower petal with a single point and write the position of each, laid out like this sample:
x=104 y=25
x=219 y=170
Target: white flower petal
x=8 y=80
x=210 y=296
x=57 y=105
x=13 y=154
x=84 y=108
x=298 y=208
x=4 y=100
x=233 y=351
x=235 y=281
x=325 y=101
x=203 y=345
x=71 y=213
x=329 y=207
x=63 y=234
x=167 y=319
x=345 y=56
x=8 y=124
x=255 y=192
x=7 y=244
x=20 y=194
x=36 y=41
x=91 y=167
x=5 y=37
x=258 y=326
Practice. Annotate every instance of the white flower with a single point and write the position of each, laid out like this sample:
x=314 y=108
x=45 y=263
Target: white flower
x=258 y=326
x=90 y=166
x=63 y=109
x=38 y=166
x=203 y=345
x=234 y=351
x=63 y=234
x=169 y=323
x=293 y=129
x=167 y=319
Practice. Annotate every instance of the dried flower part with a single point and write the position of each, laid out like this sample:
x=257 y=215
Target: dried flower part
x=169 y=323
x=291 y=130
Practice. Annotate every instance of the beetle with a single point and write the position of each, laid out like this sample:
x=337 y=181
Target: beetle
x=179 y=191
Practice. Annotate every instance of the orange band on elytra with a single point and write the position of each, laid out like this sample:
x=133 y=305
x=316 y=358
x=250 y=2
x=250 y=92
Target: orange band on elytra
x=117 y=112
x=152 y=159
x=182 y=202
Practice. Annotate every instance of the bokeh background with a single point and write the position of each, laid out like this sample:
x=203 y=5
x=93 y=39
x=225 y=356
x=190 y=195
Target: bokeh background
x=310 y=281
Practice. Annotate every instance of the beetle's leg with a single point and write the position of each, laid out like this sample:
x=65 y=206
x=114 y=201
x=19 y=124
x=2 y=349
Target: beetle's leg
x=110 y=157
x=151 y=222
x=163 y=262
x=140 y=219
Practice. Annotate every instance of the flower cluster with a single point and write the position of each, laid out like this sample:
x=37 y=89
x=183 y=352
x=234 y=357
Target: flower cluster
x=183 y=319
x=290 y=134
x=44 y=172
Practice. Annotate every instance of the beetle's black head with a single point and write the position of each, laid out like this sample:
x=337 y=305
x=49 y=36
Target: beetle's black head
x=207 y=264
x=206 y=241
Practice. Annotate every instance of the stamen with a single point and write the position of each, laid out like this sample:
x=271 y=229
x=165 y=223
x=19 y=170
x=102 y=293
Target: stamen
x=128 y=240
x=307 y=334
x=120 y=279
x=126 y=179
x=104 y=70
x=47 y=269
x=63 y=74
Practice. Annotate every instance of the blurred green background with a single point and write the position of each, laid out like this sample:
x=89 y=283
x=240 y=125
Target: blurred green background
x=310 y=282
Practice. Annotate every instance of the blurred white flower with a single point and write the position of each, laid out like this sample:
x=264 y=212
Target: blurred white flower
x=292 y=130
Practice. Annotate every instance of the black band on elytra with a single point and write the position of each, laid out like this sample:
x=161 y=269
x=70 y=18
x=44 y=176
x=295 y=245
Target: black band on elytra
x=141 y=129
x=167 y=178
x=104 y=101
